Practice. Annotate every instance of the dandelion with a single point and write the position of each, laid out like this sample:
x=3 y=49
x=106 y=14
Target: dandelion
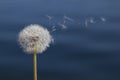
x=34 y=39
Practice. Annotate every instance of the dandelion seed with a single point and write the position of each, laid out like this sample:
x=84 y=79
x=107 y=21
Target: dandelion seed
x=64 y=21
x=52 y=40
x=86 y=22
x=49 y=17
x=53 y=27
x=103 y=19
x=62 y=26
x=92 y=20
x=68 y=18
x=54 y=30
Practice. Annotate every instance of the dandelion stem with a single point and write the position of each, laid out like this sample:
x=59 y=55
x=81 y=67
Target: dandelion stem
x=35 y=65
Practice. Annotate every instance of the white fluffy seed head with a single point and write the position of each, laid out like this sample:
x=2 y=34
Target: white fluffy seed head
x=34 y=38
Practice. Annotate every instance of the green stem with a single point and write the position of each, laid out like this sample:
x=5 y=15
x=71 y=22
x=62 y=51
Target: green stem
x=35 y=66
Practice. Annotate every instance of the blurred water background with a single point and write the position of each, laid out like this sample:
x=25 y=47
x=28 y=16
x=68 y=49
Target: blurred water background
x=86 y=39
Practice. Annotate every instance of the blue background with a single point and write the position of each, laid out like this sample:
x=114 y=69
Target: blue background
x=79 y=52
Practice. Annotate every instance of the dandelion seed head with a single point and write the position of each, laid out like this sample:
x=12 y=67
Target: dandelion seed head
x=34 y=38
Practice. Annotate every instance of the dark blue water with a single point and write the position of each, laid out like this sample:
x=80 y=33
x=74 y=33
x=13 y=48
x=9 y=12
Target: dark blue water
x=79 y=52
